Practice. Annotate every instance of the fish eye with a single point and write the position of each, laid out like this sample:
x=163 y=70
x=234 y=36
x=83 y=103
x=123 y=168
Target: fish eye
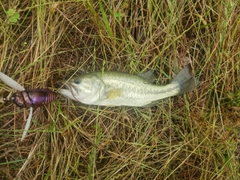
x=77 y=81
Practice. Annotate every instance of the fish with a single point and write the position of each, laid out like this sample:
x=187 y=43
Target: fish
x=112 y=88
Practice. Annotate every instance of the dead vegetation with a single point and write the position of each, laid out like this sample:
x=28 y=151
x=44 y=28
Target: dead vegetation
x=194 y=136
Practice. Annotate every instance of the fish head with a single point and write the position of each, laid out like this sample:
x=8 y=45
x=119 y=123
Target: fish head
x=86 y=89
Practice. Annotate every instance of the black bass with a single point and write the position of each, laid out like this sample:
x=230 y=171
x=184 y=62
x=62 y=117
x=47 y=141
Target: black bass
x=122 y=89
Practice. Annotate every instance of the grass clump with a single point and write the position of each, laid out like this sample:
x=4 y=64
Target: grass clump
x=193 y=136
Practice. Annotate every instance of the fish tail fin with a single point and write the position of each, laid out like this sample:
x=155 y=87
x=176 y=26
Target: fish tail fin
x=186 y=81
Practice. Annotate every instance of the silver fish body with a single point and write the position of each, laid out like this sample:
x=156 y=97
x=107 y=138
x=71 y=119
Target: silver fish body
x=121 y=89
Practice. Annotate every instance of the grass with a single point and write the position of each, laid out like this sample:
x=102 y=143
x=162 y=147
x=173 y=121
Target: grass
x=193 y=136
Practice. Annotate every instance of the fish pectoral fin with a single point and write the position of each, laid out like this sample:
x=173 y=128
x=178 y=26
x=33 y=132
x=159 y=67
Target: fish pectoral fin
x=114 y=93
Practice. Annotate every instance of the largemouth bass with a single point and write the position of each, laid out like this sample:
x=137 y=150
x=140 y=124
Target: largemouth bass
x=122 y=89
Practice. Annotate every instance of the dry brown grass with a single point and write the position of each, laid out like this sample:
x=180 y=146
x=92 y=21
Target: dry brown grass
x=194 y=136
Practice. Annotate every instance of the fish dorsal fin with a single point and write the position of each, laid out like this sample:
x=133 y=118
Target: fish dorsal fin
x=149 y=76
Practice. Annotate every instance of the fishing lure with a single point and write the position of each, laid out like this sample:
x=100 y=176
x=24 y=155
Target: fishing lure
x=27 y=98
x=33 y=97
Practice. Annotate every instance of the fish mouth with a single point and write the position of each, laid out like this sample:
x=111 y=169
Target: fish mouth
x=72 y=89
x=68 y=86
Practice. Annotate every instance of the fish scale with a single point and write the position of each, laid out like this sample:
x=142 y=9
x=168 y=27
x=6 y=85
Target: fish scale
x=138 y=88
x=144 y=94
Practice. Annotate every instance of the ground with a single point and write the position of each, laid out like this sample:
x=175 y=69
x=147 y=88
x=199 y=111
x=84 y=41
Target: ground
x=192 y=136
